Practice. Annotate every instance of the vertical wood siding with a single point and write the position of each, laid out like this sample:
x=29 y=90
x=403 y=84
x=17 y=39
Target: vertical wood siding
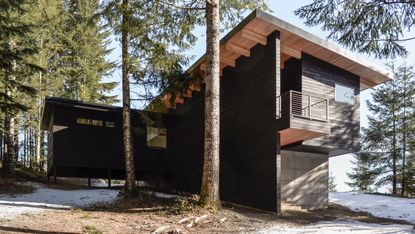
x=248 y=136
x=319 y=78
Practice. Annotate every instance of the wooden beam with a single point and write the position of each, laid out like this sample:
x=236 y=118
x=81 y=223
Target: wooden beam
x=227 y=61
x=166 y=97
x=188 y=93
x=290 y=51
x=179 y=100
x=367 y=82
x=194 y=86
x=203 y=66
x=170 y=105
x=253 y=36
x=237 y=49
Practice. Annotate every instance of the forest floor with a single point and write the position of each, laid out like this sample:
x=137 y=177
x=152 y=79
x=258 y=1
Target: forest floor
x=72 y=208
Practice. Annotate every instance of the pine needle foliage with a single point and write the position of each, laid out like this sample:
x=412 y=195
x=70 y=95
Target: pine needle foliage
x=368 y=26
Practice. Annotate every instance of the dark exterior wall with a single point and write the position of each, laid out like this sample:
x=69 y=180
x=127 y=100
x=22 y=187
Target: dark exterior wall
x=318 y=79
x=248 y=129
x=84 y=150
x=248 y=132
x=291 y=76
x=185 y=142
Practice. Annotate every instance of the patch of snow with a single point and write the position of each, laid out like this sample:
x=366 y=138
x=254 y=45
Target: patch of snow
x=45 y=199
x=340 y=226
x=165 y=195
x=377 y=205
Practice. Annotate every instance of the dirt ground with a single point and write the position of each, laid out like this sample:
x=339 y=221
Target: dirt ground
x=146 y=213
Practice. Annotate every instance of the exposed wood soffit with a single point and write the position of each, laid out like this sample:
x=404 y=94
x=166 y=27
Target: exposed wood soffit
x=290 y=51
x=367 y=82
x=237 y=49
x=227 y=61
x=254 y=30
x=253 y=36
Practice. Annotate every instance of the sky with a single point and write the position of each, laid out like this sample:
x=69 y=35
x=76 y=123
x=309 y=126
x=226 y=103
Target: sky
x=339 y=165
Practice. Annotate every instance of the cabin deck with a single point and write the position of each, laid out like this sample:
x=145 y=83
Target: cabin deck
x=301 y=117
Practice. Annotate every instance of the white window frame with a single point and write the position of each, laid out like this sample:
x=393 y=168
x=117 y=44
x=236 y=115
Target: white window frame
x=353 y=102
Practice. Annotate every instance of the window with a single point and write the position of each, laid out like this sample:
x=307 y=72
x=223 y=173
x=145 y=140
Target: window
x=344 y=94
x=156 y=137
x=92 y=122
x=110 y=124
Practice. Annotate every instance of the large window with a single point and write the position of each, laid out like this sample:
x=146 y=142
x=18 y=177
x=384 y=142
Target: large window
x=92 y=122
x=110 y=124
x=344 y=94
x=95 y=122
x=156 y=137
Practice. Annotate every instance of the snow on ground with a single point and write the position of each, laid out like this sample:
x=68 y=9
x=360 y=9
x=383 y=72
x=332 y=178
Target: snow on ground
x=340 y=226
x=46 y=199
x=377 y=205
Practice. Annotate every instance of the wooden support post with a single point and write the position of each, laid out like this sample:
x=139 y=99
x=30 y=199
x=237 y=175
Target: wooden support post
x=55 y=179
x=89 y=182
x=109 y=178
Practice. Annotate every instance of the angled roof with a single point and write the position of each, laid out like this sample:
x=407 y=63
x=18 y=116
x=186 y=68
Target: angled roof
x=258 y=25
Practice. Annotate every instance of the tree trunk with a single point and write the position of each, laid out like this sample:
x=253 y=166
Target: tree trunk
x=394 y=152
x=1 y=145
x=42 y=151
x=30 y=148
x=16 y=139
x=37 y=146
x=8 y=161
x=405 y=89
x=209 y=194
x=39 y=113
x=128 y=149
x=24 y=146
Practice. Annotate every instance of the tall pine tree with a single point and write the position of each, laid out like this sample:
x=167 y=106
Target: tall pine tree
x=153 y=35
x=371 y=26
x=386 y=154
x=84 y=53
x=15 y=68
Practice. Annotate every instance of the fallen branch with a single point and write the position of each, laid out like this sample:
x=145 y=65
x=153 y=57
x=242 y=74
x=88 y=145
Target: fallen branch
x=161 y=229
x=185 y=220
x=198 y=219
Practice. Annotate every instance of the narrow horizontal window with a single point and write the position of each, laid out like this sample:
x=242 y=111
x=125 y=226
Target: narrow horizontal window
x=110 y=124
x=344 y=94
x=156 y=137
x=92 y=122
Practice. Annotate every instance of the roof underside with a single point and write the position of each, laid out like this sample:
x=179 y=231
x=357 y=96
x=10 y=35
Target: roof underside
x=258 y=25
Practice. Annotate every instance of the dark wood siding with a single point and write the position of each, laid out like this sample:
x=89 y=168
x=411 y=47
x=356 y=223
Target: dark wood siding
x=319 y=78
x=248 y=132
x=84 y=150
x=291 y=76
x=185 y=142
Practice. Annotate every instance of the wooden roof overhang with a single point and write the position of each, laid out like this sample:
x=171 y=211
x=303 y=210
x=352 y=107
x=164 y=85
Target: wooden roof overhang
x=257 y=26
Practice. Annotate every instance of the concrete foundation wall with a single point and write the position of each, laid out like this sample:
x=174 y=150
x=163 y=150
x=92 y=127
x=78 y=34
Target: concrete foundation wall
x=304 y=179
